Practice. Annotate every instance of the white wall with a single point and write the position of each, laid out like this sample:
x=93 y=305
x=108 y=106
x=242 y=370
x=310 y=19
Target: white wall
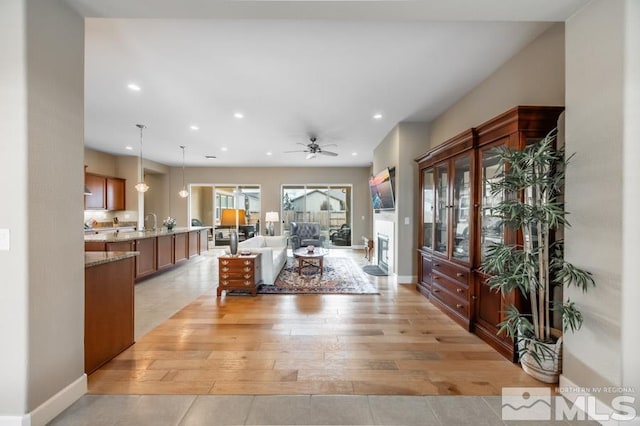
x=631 y=177
x=601 y=191
x=413 y=141
x=42 y=300
x=534 y=76
x=270 y=180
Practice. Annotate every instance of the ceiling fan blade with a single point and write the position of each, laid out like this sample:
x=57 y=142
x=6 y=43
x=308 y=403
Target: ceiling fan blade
x=329 y=144
x=287 y=152
x=332 y=154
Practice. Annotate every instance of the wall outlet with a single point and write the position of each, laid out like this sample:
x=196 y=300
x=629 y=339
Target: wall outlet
x=407 y=221
x=5 y=237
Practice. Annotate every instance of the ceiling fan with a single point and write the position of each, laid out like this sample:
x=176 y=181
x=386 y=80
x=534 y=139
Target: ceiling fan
x=314 y=149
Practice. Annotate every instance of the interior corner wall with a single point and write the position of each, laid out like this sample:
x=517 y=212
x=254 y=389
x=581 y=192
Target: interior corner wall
x=55 y=177
x=100 y=163
x=631 y=176
x=13 y=186
x=533 y=76
x=413 y=140
x=594 y=191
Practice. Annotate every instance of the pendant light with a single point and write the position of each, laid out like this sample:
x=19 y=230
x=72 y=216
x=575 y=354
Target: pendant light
x=183 y=192
x=141 y=186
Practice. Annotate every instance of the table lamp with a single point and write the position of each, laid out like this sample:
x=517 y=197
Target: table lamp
x=270 y=218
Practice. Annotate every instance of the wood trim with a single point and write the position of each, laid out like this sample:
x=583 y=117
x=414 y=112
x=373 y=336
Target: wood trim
x=454 y=146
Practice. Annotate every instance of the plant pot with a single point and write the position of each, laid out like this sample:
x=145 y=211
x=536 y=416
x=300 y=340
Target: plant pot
x=550 y=365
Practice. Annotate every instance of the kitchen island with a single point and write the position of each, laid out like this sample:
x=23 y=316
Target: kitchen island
x=108 y=306
x=158 y=250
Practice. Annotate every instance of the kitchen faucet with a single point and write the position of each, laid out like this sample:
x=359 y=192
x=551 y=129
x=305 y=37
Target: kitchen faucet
x=155 y=220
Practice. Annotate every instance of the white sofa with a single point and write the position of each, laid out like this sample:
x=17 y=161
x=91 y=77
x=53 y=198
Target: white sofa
x=274 y=255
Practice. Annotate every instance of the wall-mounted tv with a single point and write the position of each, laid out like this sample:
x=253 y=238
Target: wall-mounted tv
x=381 y=187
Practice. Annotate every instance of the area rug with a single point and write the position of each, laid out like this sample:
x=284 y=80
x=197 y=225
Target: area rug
x=341 y=275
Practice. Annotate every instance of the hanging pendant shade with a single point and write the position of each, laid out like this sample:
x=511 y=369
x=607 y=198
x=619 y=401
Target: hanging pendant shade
x=183 y=192
x=141 y=186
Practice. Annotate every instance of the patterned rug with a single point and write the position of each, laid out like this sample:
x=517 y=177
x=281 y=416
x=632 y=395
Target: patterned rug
x=341 y=275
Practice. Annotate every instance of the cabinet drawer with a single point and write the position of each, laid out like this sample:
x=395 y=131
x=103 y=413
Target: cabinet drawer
x=237 y=283
x=236 y=262
x=454 y=303
x=445 y=283
x=452 y=271
x=234 y=275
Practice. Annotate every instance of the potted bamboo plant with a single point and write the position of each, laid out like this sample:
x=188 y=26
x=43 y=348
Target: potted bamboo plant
x=531 y=184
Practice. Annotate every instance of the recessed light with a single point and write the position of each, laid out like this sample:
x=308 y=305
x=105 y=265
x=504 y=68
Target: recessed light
x=238 y=115
x=354 y=153
x=210 y=157
x=128 y=148
x=224 y=148
x=377 y=116
x=269 y=153
x=134 y=87
x=194 y=127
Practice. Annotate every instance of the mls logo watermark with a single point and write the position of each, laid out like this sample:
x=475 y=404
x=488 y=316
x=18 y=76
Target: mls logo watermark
x=533 y=403
x=526 y=404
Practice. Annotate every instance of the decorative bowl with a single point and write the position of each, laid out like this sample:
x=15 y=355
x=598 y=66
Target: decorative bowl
x=310 y=249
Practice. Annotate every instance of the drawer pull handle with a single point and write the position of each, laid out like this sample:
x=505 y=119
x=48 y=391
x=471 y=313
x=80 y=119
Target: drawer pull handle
x=474 y=297
x=248 y=283
x=225 y=269
x=225 y=275
x=247 y=276
x=459 y=274
x=435 y=277
x=459 y=290
x=225 y=282
x=225 y=262
x=436 y=264
x=458 y=305
x=246 y=262
x=247 y=269
x=435 y=290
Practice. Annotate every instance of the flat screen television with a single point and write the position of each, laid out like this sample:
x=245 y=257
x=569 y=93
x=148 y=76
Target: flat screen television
x=381 y=187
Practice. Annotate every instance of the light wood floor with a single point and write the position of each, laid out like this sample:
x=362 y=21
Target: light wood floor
x=395 y=343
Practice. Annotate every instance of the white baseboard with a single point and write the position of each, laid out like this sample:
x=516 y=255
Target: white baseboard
x=572 y=391
x=407 y=279
x=49 y=409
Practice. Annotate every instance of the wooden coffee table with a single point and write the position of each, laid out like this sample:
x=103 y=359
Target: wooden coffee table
x=310 y=258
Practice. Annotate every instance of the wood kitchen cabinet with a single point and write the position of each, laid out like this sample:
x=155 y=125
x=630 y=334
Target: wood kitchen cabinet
x=97 y=186
x=165 y=251
x=146 y=260
x=107 y=193
x=456 y=225
x=193 y=243
x=108 y=312
x=180 y=252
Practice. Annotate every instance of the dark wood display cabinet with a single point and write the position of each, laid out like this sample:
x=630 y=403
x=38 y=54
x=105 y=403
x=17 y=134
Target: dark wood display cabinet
x=457 y=227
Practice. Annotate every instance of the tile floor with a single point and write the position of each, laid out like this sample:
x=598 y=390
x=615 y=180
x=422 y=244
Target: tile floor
x=160 y=297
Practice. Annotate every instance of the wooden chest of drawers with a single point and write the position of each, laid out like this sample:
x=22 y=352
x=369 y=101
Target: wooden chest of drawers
x=450 y=289
x=239 y=273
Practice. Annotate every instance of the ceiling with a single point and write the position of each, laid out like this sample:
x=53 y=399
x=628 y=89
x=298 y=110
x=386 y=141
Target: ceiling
x=294 y=69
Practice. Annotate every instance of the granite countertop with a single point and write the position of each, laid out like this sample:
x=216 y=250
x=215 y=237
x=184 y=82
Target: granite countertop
x=95 y=258
x=110 y=237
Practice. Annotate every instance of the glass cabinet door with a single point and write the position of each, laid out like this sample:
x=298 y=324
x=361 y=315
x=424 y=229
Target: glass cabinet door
x=442 y=209
x=491 y=228
x=428 y=197
x=461 y=206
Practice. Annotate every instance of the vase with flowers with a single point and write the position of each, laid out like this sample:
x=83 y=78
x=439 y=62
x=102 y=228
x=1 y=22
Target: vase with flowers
x=170 y=223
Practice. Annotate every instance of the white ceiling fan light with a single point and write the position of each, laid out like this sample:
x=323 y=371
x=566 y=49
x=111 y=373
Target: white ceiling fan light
x=313 y=149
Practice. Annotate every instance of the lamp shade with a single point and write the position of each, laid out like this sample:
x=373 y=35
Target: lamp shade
x=228 y=217
x=271 y=217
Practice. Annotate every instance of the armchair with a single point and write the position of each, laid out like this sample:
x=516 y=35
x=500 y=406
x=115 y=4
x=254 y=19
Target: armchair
x=305 y=234
x=342 y=237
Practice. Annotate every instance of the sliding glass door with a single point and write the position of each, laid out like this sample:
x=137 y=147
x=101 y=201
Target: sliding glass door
x=226 y=208
x=327 y=205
